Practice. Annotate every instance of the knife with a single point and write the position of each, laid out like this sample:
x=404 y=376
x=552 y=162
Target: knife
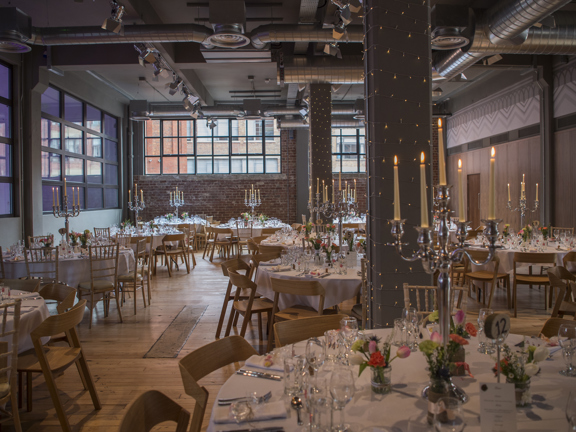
x=268 y=429
x=259 y=375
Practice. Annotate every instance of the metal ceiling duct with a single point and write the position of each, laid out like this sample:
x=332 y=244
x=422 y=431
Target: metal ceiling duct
x=518 y=14
x=349 y=70
x=336 y=122
x=228 y=19
x=222 y=111
x=280 y=111
x=264 y=35
x=177 y=110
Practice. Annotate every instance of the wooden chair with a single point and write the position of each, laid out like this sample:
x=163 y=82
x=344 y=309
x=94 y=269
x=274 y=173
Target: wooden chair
x=552 y=325
x=296 y=226
x=289 y=332
x=51 y=360
x=247 y=307
x=570 y=257
x=42 y=264
x=222 y=238
x=259 y=239
x=243 y=242
x=103 y=278
x=255 y=261
x=235 y=264
x=563 y=280
x=252 y=247
x=63 y=294
x=9 y=362
x=351 y=226
x=190 y=241
x=124 y=239
x=548 y=259
x=102 y=232
x=269 y=231
x=170 y=252
x=359 y=310
x=152 y=408
x=425 y=298
x=204 y=361
x=485 y=276
x=28 y=285
x=264 y=249
x=134 y=280
x=306 y=288
x=146 y=266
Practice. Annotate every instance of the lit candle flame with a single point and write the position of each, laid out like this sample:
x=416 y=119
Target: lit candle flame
x=395 y=160
x=422 y=157
x=439 y=122
x=459 y=163
x=493 y=152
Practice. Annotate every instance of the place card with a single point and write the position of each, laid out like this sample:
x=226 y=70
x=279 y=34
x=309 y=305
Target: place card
x=497 y=407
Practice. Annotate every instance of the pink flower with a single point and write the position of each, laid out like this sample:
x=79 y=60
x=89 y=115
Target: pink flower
x=372 y=346
x=403 y=352
x=459 y=317
x=435 y=337
x=458 y=339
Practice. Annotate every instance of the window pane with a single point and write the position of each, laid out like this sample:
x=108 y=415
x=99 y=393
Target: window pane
x=51 y=102
x=111 y=198
x=221 y=165
x=152 y=146
x=255 y=146
x=221 y=147
x=186 y=128
x=74 y=169
x=170 y=165
x=239 y=145
x=335 y=144
x=221 y=129
x=362 y=145
x=5 y=82
x=190 y=166
x=111 y=174
x=5 y=160
x=94 y=146
x=351 y=132
x=152 y=165
x=51 y=166
x=273 y=165
x=254 y=127
x=94 y=197
x=202 y=129
x=204 y=146
x=110 y=126
x=47 y=196
x=234 y=131
x=93 y=172
x=73 y=140
x=239 y=165
x=362 y=163
x=170 y=128
x=73 y=110
x=350 y=163
x=349 y=144
x=362 y=131
x=335 y=163
x=204 y=165
x=170 y=146
x=273 y=146
x=186 y=145
x=4 y=121
x=5 y=198
x=111 y=150
x=255 y=164
x=50 y=134
x=93 y=118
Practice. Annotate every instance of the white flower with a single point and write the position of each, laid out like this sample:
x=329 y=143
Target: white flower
x=356 y=359
x=541 y=354
x=531 y=369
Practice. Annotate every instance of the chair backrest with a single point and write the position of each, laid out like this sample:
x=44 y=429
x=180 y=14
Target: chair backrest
x=104 y=262
x=136 y=239
x=123 y=239
x=252 y=246
x=249 y=227
x=426 y=298
x=563 y=280
x=256 y=259
x=297 y=227
x=28 y=285
x=62 y=323
x=569 y=257
x=292 y=331
x=534 y=258
x=42 y=263
x=351 y=226
x=265 y=249
x=206 y=360
x=9 y=351
x=234 y=264
x=190 y=232
x=552 y=325
x=2 y=273
x=32 y=241
x=299 y=288
x=152 y=408
x=61 y=293
x=179 y=238
x=270 y=231
x=258 y=239
x=102 y=232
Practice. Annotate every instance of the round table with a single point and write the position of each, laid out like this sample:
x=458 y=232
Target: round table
x=73 y=270
x=338 y=287
x=549 y=391
x=507 y=258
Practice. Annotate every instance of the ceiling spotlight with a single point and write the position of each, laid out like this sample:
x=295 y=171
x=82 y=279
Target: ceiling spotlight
x=339 y=30
x=346 y=16
x=159 y=70
x=303 y=112
x=333 y=50
x=114 y=23
x=494 y=59
x=211 y=123
x=355 y=6
x=145 y=55
x=336 y=87
x=175 y=86
x=190 y=102
x=438 y=92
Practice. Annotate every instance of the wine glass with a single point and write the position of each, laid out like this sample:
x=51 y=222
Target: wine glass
x=349 y=332
x=484 y=346
x=315 y=354
x=411 y=320
x=567 y=340
x=449 y=415
x=342 y=390
x=571 y=410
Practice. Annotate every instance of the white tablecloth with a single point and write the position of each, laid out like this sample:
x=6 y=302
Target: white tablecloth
x=71 y=271
x=507 y=259
x=549 y=391
x=338 y=287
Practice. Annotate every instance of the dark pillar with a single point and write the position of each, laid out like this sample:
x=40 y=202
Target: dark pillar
x=398 y=117
x=320 y=117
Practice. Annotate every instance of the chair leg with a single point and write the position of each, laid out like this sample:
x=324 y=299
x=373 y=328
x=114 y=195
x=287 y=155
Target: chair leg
x=261 y=337
x=29 y=391
x=222 y=316
x=143 y=294
x=507 y=283
x=91 y=308
x=117 y=296
x=514 y=299
x=15 y=412
x=89 y=382
x=20 y=389
x=134 y=286
x=229 y=325
x=169 y=265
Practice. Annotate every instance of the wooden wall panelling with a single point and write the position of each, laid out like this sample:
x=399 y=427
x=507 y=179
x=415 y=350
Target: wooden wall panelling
x=565 y=178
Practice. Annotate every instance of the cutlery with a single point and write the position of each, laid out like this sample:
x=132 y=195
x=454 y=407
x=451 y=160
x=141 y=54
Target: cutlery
x=297 y=405
x=230 y=401
x=259 y=375
x=267 y=429
x=324 y=275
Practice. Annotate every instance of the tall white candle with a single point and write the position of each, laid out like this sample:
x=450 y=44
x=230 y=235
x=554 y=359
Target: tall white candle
x=461 y=214
x=245 y=195
x=73 y=199
x=53 y=199
x=492 y=187
x=258 y=194
x=523 y=187
x=141 y=195
x=536 y=192
x=396 y=191
x=317 y=185
x=441 y=159
x=65 y=190
x=310 y=194
x=58 y=197
x=509 y=192
x=78 y=193
x=333 y=195
x=355 y=189
x=423 y=198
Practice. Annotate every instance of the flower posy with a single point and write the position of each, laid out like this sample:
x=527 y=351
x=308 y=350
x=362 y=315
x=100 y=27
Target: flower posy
x=372 y=355
x=519 y=367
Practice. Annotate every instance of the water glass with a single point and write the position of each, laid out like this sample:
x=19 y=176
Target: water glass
x=449 y=415
x=484 y=345
x=332 y=346
x=567 y=340
x=292 y=377
x=571 y=410
x=342 y=390
x=315 y=354
x=399 y=332
x=349 y=334
x=317 y=400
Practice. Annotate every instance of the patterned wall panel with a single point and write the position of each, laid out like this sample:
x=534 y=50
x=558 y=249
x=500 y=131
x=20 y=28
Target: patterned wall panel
x=565 y=90
x=517 y=107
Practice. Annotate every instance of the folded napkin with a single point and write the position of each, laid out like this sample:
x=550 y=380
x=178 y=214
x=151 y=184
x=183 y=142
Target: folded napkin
x=267 y=411
x=270 y=263
x=281 y=269
x=265 y=362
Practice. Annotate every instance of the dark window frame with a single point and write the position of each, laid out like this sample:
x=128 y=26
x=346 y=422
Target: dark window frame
x=11 y=179
x=356 y=154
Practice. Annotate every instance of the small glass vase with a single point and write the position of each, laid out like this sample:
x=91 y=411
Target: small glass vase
x=317 y=260
x=381 y=380
x=522 y=392
x=458 y=357
x=438 y=388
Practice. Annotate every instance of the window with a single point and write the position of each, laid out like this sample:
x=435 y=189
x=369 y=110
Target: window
x=80 y=142
x=348 y=150
x=6 y=143
x=231 y=147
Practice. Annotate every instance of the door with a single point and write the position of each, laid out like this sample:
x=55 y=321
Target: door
x=473 y=209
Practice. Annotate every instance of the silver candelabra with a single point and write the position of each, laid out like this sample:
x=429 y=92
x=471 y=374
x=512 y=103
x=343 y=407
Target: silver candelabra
x=176 y=201
x=315 y=209
x=342 y=206
x=442 y=259
x=136 y=205
x=523 y=209
x=252 y=202
x=62 y=211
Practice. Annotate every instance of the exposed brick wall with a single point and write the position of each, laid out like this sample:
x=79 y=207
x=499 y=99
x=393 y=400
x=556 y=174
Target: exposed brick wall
x=222 y=196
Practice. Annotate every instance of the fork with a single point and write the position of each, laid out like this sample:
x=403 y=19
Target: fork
x=230 y=401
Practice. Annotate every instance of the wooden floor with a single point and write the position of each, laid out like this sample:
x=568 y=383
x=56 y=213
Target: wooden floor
x=115 y=351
